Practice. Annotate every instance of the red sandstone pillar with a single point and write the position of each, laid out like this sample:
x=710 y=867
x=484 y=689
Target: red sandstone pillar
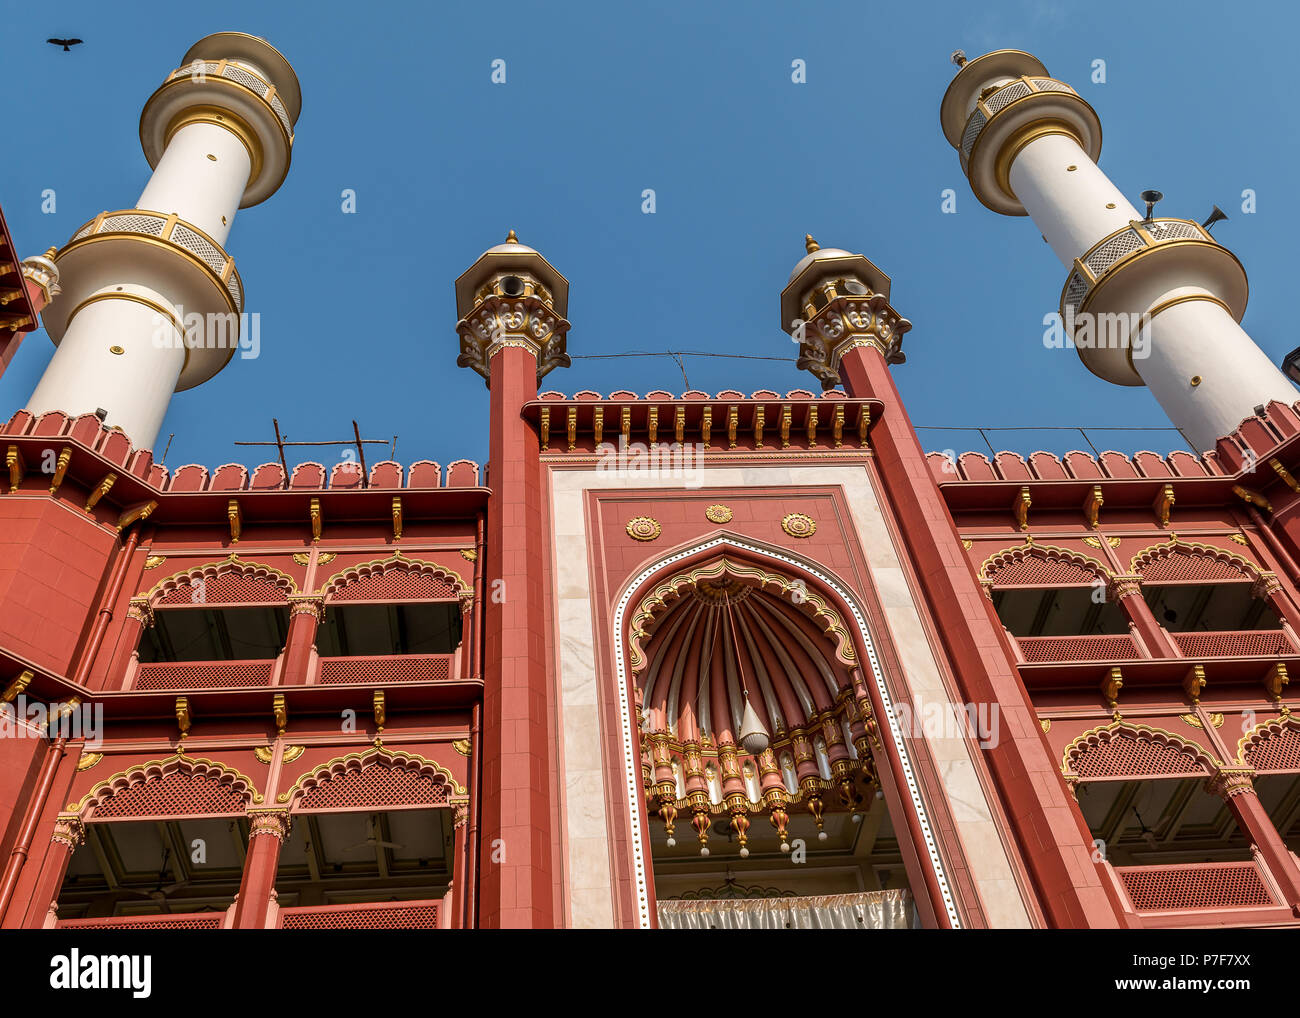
x=138 y=617
x=304 y=619
x=1127 y=592
x=267 y=831
x=515 y=862
x=460 y=848
x=1044 y=818
x=1237 y=788
x=68 y=834
x=1269 y=588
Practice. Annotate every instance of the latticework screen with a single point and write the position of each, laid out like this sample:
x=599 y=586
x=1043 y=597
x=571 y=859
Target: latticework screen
x=176 y=794
x=1279 y=751
x=161 y=922
x=226 y=588
x=203 y=675
x=1249 y=643
x=1186 y=568
x=422 y=916
x=1197 y=886
x=396 y=585
x=400 y=668
x=374 y=788
x=1033 y=571
x=1041 y=649
x=1122 y=754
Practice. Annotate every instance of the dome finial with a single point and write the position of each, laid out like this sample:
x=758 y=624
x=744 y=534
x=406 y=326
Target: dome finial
x=811 y=244
x=511 y=238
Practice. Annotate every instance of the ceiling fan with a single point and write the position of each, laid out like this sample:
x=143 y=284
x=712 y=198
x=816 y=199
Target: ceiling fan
x=161 y=891
x=373 y=840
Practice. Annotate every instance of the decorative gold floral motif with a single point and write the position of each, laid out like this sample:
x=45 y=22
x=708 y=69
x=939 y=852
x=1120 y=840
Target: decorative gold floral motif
x=799 y=525
x=304 y=558
x=1194 y=721
x=643 y=528
x=1045 y=724
x=469 y=554
x=154 y=561
x=461 y=746
x=267 y=753
x=967 y=543
x=718 y=514
x=1239 y=538
x=88 y=760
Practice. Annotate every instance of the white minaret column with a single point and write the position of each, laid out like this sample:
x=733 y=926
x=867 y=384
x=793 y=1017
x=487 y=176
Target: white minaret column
x=151 y=303
x=1152 y=302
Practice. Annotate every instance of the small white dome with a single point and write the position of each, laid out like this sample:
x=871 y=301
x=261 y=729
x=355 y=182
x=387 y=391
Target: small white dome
x=816 y=256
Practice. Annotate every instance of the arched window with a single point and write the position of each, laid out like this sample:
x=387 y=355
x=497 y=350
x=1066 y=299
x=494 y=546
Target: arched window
x=1210 y=600
x=393 y=619
x=222 y=611
x=1056 y=603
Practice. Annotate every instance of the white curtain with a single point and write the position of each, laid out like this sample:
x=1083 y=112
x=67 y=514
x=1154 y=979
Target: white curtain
x=865 y=910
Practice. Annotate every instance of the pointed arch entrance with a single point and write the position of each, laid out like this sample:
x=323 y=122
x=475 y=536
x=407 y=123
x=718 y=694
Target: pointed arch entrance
x=818 y=624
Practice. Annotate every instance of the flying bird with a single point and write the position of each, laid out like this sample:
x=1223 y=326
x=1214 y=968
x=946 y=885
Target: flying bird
x=67 y=44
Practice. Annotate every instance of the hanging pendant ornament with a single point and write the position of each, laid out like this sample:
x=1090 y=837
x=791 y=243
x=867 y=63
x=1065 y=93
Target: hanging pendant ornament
x=754 y=738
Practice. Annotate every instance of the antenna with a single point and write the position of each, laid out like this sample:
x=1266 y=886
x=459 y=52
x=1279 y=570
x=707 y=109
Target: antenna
x=958 y=57
x=1151 y=197
x=281 y=441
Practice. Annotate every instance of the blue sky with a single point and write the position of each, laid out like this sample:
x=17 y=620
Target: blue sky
x=694 y=100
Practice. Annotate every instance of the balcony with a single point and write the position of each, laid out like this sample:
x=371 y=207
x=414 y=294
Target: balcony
x=398 y=915
x=1242 y=643
x=386 y=668
x=1048 y=649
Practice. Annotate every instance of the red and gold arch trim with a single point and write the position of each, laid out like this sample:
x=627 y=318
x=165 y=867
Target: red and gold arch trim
x=1044 y=565
x=1189 y=560
x=811 y=604
x=170 y=786
x=1123 y=748
x=375 y=778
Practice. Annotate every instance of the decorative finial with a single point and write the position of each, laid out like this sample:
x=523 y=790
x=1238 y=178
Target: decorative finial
x=51 y=252
x=511 y=238
x=811 y=244
x=959 y=58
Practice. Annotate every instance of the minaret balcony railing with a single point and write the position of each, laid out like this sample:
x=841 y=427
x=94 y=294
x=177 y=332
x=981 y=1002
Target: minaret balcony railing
x=242 y=76
x=997 y=101
x=176 y=232
x=1105 y=257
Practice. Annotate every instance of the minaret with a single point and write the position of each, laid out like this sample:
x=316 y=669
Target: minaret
x=1148 y=301
x=151 y=303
